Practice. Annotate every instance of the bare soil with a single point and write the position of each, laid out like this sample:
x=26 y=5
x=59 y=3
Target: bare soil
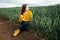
x=7 y=29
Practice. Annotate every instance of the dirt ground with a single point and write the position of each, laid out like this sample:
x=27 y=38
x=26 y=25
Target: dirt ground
x=7 y=28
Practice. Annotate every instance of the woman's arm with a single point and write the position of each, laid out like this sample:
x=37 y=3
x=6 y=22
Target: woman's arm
x=20 y=18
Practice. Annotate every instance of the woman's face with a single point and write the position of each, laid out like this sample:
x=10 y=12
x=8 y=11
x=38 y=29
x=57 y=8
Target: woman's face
x=27 y=8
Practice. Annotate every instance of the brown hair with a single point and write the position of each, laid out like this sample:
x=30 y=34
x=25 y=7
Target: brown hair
x=23 y=8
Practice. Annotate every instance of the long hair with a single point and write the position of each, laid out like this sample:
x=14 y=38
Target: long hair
x=23 y=8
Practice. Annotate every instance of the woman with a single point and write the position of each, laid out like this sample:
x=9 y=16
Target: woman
x=24 y=18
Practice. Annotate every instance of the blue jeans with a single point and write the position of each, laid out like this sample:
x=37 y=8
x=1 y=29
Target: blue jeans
x=24 y=26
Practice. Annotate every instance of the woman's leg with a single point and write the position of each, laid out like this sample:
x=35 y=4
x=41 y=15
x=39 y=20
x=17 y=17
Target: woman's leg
x=24 y=26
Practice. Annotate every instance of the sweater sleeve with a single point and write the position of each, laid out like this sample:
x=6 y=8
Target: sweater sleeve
x=20 y=18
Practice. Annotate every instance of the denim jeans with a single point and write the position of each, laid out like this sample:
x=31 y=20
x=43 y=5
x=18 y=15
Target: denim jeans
x=24 y=26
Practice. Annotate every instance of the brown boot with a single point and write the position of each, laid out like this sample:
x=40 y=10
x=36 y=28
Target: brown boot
x=16 y=32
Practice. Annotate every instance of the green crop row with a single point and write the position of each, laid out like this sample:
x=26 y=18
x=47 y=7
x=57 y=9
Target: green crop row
x=45 y=21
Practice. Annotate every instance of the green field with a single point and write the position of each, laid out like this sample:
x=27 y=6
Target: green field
x=45 y=21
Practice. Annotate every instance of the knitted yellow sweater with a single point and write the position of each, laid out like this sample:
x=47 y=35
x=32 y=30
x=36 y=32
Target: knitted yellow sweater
x=27 y=16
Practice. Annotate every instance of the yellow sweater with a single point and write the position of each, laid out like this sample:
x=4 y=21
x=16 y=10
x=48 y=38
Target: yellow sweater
x=27 y=16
